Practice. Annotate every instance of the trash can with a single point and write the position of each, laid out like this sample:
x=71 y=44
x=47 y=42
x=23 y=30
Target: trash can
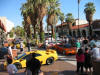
x=96 y=67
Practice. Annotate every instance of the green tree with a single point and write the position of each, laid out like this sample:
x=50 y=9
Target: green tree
x=89 y=12
x=70 y=20
x=34 y=11
x=11 y=34
x=24 y=11
x=19 y=31
x=53 y=14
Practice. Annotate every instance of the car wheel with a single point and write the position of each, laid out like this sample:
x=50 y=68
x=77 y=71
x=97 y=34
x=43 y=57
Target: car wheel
x=64 y=52
x=18 y=65
x=49 y=61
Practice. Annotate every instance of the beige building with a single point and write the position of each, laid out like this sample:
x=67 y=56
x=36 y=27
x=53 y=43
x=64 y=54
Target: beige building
x=5 y=27
x=63 y=30
x=6 y=24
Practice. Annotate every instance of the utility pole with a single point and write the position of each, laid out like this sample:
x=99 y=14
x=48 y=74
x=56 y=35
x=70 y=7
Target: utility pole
x=78 y=19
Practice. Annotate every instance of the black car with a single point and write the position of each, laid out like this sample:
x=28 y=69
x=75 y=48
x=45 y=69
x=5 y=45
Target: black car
x=3 y=51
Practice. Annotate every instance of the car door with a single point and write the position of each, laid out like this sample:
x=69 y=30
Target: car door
x=41 y=58
x=23 y=60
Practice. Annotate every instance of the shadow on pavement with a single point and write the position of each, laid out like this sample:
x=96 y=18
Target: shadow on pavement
x=60 y=73
x=21 y=73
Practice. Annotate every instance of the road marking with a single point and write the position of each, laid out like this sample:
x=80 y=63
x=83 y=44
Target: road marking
x=72 y=62
x=67 y=59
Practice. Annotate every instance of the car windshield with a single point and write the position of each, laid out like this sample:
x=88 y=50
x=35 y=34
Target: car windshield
x=67 y=45
x=60 y=45
x=19 y=56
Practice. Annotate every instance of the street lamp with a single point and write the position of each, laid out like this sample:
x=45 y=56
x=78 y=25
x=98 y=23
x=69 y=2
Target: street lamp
x=78 y=18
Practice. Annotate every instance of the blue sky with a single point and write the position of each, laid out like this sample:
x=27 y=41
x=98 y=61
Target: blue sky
x=11 y=9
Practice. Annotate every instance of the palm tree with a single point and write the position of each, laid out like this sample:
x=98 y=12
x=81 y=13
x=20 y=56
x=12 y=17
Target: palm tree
x=69 y=20
x=62 y=17
x=89 y=12
x=36 y=10
x=24 y=12
x=40 y=10
x=52 y=17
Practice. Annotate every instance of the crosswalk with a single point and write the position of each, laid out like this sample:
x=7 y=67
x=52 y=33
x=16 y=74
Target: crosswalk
x=70 y=60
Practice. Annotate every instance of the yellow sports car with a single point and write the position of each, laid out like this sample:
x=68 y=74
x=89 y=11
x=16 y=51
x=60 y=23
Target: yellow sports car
x=45 y=57
x=17 y=45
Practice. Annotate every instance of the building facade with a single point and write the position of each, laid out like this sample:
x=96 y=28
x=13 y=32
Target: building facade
x=96 y=27
x=63 y=29
x=5 y=27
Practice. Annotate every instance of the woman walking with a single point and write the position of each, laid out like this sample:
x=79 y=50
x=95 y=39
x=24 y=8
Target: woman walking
x=80 y=60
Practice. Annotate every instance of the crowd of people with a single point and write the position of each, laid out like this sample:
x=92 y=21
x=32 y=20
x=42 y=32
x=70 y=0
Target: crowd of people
x=87 y=53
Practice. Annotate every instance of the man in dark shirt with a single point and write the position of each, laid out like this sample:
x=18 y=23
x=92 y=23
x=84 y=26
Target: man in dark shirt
x=88 y=61
x=33 y=64
x=28 y=45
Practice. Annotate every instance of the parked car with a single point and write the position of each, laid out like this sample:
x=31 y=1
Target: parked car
x=65 y=49
x=45 y=57
x=17 y=45
x=5 y=44
x=3 y=51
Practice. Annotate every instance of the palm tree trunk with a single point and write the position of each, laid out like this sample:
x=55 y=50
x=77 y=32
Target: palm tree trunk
x=28 y=31
x=53 y=33
x=41 y=31
x=70 y=27
x=90 y=29
x=62 y=29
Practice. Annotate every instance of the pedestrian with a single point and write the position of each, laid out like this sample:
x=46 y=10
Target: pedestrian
x=85 y=43
x=28 y=45
x=80 y=60
x=78 y=45
x=21 y=47
x=8 y=57
x=95 y=53
x=46 y=43
x=91 y=43
x=96 y=59
x=88 y=61
x=72 y=42
x=11 y=68
x=10 y=51
x=14 y=43
x=33 y=64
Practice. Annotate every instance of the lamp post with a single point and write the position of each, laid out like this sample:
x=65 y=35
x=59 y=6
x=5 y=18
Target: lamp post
x=78 y=19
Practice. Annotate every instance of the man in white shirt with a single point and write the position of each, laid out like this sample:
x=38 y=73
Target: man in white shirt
x=21 y=47
x=92 y=42
x=46 y=43
x=96 y=52
x=10 y=51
